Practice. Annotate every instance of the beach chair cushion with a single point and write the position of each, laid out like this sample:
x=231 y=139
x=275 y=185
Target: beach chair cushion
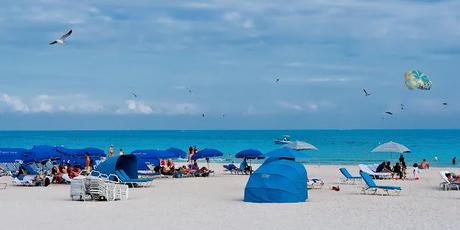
x=389 y=187
x=369 y=182
x=347 y=174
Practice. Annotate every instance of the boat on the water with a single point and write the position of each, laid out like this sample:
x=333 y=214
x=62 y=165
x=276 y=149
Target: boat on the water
x=284 y=140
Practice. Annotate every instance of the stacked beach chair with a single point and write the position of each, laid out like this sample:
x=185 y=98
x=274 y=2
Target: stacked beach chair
x=97 y=187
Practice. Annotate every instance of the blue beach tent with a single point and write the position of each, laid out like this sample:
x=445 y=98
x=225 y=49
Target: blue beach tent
x=127 y=163
x=77 y=156
x=179 y=152
x=277 y=180
x=40 y=153
x=11 y=154
x=207 y=153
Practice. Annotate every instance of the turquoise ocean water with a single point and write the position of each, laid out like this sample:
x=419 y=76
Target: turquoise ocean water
x=335 y=146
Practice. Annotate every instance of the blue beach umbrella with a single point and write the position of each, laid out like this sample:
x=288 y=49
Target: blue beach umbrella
x=78 y=155
x=207 y=153
x=250 y=154
x=11 y=154
x=179 y=152
x=40 y=153
x=155 y=153
x=285 y=153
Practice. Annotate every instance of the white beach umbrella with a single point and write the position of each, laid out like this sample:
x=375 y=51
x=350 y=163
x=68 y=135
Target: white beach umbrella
x=300 y=145
x=391 y=147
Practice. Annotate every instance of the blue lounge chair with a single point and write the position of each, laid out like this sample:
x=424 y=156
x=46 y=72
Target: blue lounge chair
x=348 y=177
x=231 y=168
x=372 y=187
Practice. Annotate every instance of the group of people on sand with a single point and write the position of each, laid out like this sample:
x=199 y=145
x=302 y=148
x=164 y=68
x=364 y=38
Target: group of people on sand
x=398 y=170
x=167 y=167
x=64 y=172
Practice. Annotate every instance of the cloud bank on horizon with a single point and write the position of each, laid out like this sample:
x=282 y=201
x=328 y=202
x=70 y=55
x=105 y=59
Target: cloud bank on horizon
x=222 y=57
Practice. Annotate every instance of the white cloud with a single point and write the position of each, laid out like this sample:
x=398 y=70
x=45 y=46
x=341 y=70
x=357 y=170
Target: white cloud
x=325 y=79
x=15 y=103
x=236 y=18
x=138 y=107
x=290 y=105
x=308 y=106
x=43 y=103
x=248 y=24
x=232 y=16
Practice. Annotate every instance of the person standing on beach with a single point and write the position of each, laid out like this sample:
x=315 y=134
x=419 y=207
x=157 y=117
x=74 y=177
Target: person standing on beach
x=454 y=160
x=87 y=163
x=435 y=157
x=120 y=153
x=110 y=151
x=401 y=158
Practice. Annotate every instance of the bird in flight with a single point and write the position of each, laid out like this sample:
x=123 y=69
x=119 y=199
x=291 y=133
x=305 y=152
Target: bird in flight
x=389 y=113
x=134 y=95
x=402 y=106
x=366 y=93
x=62 y=38
x=202 y=114
x=223 y=114
x=189 y=90
x=444 y=103
x=277 y=80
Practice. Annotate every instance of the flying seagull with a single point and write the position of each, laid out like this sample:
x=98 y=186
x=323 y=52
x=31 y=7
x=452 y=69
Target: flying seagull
x=389 y=113
x=62 y=38
x=402 y=106
x=444 y=103
x=202 y=114
x=134 y=95
x=277 y=80
x=366 y=93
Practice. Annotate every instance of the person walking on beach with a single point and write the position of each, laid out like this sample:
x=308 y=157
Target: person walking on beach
x=110 y=151
x=454 y=160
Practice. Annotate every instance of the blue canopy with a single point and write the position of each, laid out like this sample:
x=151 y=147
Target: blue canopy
x=78 y=155
x=11 y=154
x=179 y=152
x=285 y=153
x=206 y=153
x=250 y=154
x=40 y=153
x=277 y=181
x=127 y=163
x=81 y=152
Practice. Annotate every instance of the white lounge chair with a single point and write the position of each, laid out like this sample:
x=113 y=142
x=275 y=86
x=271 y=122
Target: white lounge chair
x=376 y=175
x=315 y=183
x=446 y=184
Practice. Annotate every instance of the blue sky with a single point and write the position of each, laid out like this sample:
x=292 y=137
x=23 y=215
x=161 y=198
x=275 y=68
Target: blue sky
x=229 y=54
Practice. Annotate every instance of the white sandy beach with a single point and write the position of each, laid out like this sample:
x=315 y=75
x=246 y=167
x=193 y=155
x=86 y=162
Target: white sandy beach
x=216 y=203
